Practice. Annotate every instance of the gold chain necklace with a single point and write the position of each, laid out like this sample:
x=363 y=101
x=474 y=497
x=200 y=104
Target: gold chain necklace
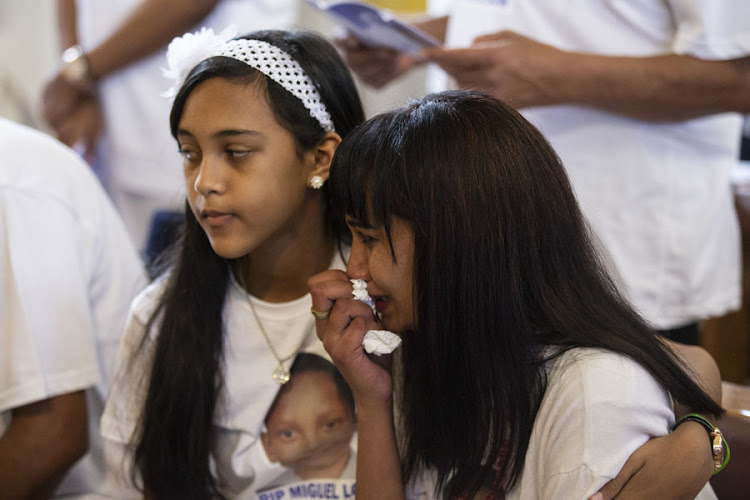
x=281 y=374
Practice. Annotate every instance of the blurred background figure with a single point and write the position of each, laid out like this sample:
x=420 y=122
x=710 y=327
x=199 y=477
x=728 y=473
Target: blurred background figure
x=28 y=49
x=106 y=99
x=638 y=99
x=68 y=273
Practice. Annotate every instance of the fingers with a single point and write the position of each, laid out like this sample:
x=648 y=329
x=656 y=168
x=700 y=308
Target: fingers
x=377 y=66
x=615 y=485
x=456 y=61
x=348 y=42
x=342 y=334
x=500 y=36
x=82 y=128
x=327 y=287
x=58 y=100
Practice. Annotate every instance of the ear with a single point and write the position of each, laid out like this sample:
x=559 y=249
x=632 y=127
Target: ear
x=323 y=155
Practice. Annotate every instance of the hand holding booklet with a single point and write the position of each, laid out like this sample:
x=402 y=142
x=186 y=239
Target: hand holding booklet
x=376 y=27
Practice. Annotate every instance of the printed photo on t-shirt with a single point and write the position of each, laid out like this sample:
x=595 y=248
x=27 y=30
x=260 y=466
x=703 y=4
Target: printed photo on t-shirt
x=310 y=429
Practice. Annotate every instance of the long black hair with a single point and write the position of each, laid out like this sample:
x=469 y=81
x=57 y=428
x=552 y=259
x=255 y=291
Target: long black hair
x=176 y=434
x=504 y=268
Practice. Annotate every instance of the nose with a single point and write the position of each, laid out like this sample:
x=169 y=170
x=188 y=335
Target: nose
x=357 y=267
x=210 y=178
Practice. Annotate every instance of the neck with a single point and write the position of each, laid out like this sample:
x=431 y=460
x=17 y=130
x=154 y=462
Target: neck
x=277 y=271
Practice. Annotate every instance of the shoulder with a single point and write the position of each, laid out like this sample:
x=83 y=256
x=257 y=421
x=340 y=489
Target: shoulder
x=147 y=301
x=591 y=367
x=596 y=381
x=598 y=407
x=132 y=366
x=33 y=160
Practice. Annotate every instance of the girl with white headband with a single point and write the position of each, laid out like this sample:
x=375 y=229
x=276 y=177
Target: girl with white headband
x=257 y=120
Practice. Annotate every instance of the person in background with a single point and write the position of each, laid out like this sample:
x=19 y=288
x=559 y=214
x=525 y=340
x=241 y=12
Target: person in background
x=522 y=373
x=640 y=100
x=106 y=98
x=68 y=273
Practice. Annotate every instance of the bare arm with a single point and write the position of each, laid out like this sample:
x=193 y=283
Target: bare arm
x=681 y=458
x=703 y=369
x=378 y=461
x=66 y=23
x=677 y=466
x=73 y=109
x=668 y=87
x=152 y=25
x=44 y=439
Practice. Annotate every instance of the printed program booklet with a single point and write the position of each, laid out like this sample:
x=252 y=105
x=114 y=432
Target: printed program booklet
x=376 y=27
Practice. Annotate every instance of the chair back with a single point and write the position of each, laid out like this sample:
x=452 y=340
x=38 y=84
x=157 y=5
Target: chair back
x=733 y=483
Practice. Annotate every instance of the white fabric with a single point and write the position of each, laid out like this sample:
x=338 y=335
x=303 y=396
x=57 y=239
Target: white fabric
x=281 y=68
x=657 y=194
x=599 y=407
x=138 y=154
x=240 y=461
x=67 y=276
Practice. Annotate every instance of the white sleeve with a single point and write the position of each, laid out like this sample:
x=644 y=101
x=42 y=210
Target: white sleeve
x=125 y=402
x=711 y=29
x=597 y=410
x=131 y=376
x=46 y=334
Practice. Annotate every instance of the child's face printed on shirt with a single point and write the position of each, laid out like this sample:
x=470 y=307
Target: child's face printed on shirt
x=244 y=180
x=310 y=428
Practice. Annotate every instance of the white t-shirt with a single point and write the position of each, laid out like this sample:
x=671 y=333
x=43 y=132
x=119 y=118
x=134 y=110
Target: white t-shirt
x=656 y=193
x=239 y=460
x=598 y=408
x=68 y=274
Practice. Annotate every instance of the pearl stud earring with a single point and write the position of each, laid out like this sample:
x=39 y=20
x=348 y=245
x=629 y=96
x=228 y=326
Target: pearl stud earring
x=316 y=182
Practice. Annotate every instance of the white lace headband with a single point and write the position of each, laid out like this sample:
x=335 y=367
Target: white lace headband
x=187 y=51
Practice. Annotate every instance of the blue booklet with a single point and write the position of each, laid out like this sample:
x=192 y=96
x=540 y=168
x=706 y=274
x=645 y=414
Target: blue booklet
x=376 y=27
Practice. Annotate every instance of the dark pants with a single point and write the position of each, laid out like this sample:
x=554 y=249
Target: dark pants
x=164 y=231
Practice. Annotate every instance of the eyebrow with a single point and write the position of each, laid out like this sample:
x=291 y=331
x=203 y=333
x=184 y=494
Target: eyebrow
x=224 y=133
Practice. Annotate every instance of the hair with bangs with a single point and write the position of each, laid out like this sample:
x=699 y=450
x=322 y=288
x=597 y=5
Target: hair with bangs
x=176 y=432
x=504 y=268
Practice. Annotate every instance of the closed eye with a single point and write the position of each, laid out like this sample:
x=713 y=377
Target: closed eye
x=366 y=239
x=189 y=154
x=236 y=154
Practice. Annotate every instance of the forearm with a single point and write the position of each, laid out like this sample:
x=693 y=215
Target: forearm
x=435 y=26
x=150 y=26
x=44 y=439
x=659 y=88
x=378 y=462
x=66 y=23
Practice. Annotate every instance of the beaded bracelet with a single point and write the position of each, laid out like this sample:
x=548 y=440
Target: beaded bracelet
x=718 y=443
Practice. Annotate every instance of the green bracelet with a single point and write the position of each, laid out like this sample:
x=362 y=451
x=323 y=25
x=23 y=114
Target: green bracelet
x=716 y=438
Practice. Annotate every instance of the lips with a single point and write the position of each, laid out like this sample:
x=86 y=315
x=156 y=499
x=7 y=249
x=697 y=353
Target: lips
x=381 y=302
x=216 y=218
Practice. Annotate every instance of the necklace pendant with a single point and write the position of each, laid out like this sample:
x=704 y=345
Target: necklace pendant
x=281 y=375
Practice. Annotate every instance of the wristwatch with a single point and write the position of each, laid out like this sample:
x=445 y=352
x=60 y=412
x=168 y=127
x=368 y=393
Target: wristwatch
x=719 y=447
x=76 y=67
